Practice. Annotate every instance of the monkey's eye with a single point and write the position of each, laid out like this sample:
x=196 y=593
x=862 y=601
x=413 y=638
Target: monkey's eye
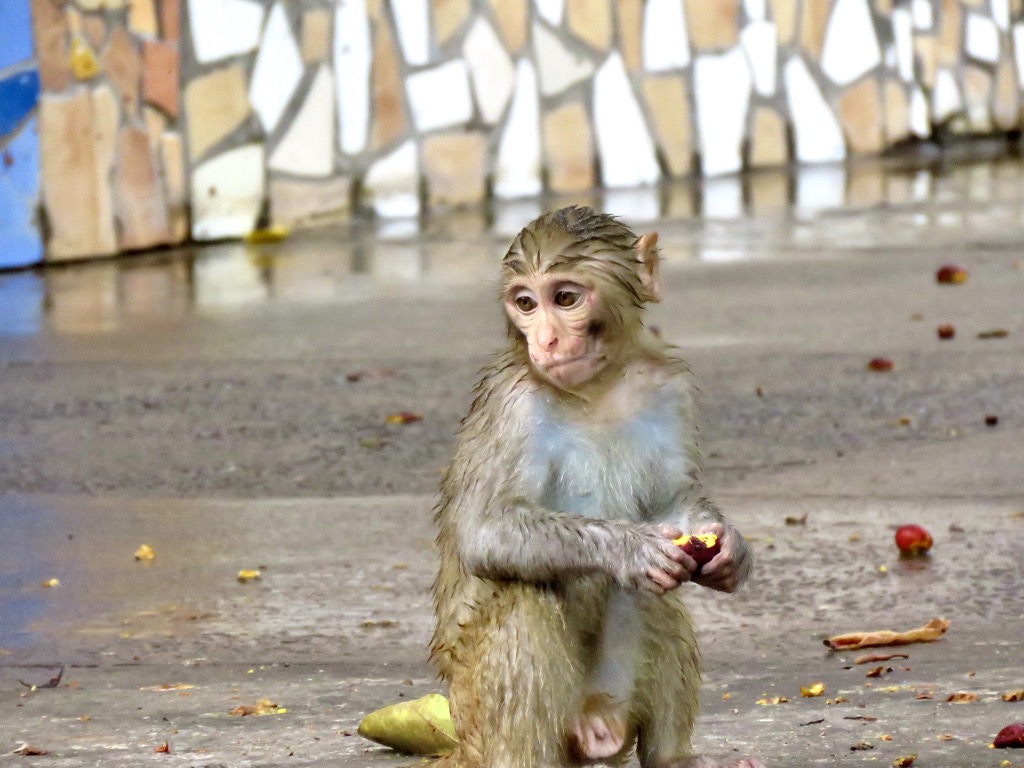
x=525 y=303
x=566 y=299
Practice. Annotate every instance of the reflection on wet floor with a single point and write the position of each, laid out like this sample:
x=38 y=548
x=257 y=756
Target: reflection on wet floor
x=785 y=214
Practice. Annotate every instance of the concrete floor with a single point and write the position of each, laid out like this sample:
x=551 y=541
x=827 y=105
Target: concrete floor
x=203 y=403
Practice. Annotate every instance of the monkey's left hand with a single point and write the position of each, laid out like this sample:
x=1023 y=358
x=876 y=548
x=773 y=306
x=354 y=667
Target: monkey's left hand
x=731 y=566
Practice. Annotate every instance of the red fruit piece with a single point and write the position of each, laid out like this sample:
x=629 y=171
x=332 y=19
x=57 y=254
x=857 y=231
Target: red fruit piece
x=951 y=274
x=1012 y=736
x=946 y=331
x=913 y=540
x=702 y=547
x=881 y=364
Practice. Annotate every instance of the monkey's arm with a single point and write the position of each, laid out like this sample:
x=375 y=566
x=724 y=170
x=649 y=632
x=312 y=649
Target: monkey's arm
x=727 y=571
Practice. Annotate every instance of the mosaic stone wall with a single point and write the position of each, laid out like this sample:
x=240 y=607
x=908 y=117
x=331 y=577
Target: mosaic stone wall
x=293 y=111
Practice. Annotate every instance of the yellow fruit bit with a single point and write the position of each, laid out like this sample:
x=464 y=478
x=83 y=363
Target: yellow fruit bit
x=707 y=539
x=247 y=575
x=144 y=553
x=51 y=583
x=83 y=60
x=812 y=690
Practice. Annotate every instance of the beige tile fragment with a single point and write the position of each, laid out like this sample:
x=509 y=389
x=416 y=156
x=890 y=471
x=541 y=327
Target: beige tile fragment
x=50 y=36
x=813 y=22
x=122 y=64
x=950 y=23
x=860 y=114
x=1006 y=103
x=977 y=95
x=865 y=185
x=299 y=203
x=630 y=16
x=172 y=165
x=94 y=28
x=897 y=112
x=591 y=21
x=155 y=123
x=170 y=20
x=511 y=17
x=455 y=167
x=784 y=14
x=316 y=35
x=76 y=135
x=768 y=143
x=713 y=23
x=215 y=104
x=670 y=114
x=388 y=123
x=568 y=148
x=927 y=49
x=768 y=192
x=141 y=210
x=142 y=19
x=449 y=17
x=160 y=79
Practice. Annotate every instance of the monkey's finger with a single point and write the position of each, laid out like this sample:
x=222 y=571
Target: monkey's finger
x=659 y=581
x=669 y=531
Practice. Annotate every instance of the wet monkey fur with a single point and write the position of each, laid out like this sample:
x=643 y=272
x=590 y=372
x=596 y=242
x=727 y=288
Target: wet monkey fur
x=560 y=625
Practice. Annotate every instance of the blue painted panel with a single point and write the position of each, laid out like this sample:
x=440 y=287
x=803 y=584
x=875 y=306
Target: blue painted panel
x=15 y=32
x=20 y=243
x=18 y=96
x=21 y=313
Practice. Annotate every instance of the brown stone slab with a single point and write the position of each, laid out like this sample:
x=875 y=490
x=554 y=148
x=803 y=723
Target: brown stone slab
x=215 y=104
x=298 y=203
x=1006 y=97
x=449 y=17
x=569 y=148
x=511 y=17
x=170 y=19
x=768 y=145
x=142 y=18
x=160 y=75
x=122 y=64
x=860 y=113
x=813 y=23
x=172 y=163
x=591 y=21
x=897 y=112
x=389 y=122
x=316 y=35
x=630 y=15
x=455 y=165
x=670 y=114
x=141 y=209
x=713 y=23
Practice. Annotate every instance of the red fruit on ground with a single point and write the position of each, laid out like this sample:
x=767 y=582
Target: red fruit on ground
x=1010 y=737
x=951 y=274
x=913 y=540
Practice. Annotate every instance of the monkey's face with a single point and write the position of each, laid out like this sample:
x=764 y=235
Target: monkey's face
x=560 y=319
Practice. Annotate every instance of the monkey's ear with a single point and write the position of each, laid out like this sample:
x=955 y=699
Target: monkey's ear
x=647 y=256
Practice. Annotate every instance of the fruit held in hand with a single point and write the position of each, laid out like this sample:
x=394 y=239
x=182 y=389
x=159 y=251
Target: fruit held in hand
x=1010 y=737
x=913 y=540
x=702 y=547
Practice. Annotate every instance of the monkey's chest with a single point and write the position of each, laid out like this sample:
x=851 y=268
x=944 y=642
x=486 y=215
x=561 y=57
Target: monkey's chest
x=628 y=469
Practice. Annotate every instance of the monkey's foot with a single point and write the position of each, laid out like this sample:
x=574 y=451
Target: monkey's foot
x=599 y=731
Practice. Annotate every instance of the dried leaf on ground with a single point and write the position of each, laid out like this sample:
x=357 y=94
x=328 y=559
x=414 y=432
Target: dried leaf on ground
x=28 y=750
x=263 y=707
x=168 y=687
x=852 y=641
x=163 y=749
x=419 y=727
x=1013 y=696
x=802 y=520
x=878 y=671
x=770 y=700
x=904 y=762
x=880 y=364
x=861 y=746
x=812 y=690
x=53 y=682
x=872 y=658
x=403 y=417
x=962 y=698
x=994 y=333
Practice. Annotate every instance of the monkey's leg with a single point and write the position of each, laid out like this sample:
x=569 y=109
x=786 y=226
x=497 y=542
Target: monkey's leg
x=517 y=678
x=669 y=690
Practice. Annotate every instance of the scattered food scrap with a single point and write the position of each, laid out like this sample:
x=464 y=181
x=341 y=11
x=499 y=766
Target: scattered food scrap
x=951 y=274
x=144 y=553
x=28 y=750
x=249 y=575
x=991 y=420
x=403 y=417
x=53 y=682
x=994 y=333
x=861 y=746
x=878 y=671
x=51 y=583
x=169 y=687
x=163 y=749
x=946 y=332
x=274 y=234
x=812 y=690
x=1013 y=696
x=772 y=700
x=962 y=698
x=904 y=762
x=852 y=641
x=913 y=540
x=370 y=374
x=1010 y=737
x=419 y=727
x=792 y=520
x=880 y=364
x=263 y=707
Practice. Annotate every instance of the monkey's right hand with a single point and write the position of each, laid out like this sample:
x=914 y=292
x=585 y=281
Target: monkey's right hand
x=652 y=561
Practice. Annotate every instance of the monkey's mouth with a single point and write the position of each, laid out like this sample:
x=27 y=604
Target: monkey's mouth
x=591 y=358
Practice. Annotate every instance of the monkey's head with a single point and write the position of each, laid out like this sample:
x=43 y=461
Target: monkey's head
x=574 y=285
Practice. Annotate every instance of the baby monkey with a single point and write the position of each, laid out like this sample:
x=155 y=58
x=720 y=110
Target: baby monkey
x=560 y=625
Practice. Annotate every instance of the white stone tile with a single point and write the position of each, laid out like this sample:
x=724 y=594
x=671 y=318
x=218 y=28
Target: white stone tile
x=518 y=165
x=225 y=275
x=924 y=14
x=559 y=66
x=352 y=61
x=722 y=198
x=1018 y=50
x=412 y=18
x=721 y=85
x=666 y=43
x=307 y=148
x=491 y=71
x=624 y=143
x=759 y=42
x=946 y=100
x=439 y=97
x=552 y=11
x=851 y=46
x=818 y=137
x=919 y=123
x=222 y=28
x=756 y=9
x=982 y=38
x=819 y=189
x=903 y=38
x=227 y=193
x=392 y=183
x=1001 y=13
x=278 y=69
